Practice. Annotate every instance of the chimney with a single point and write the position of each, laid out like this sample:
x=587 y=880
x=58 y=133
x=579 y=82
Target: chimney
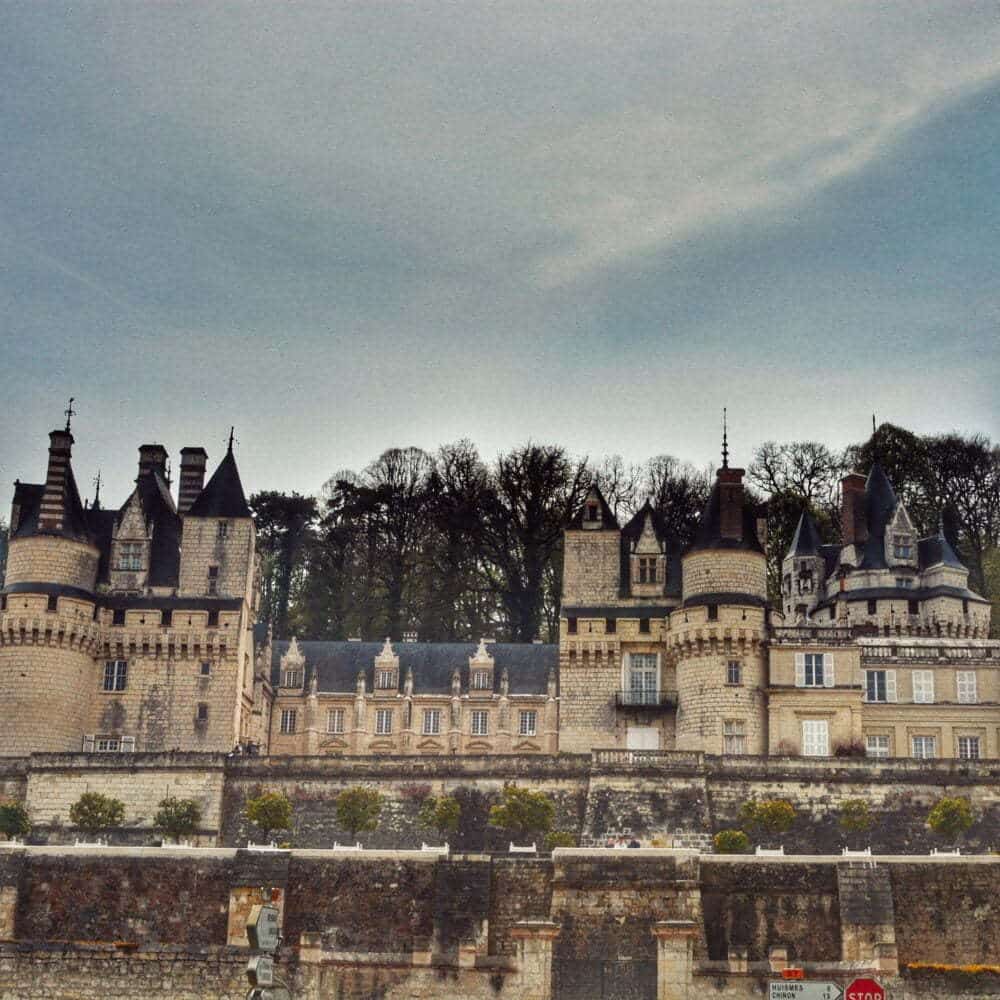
x=853 y=530
x=193 y=461
x=761 y=525
x=731 y=503
x=152 y=458
x=53 y=506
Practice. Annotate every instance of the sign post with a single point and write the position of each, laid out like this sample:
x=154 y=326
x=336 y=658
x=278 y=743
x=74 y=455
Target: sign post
x=865 y=989
x=264 y=935
x=798 y=989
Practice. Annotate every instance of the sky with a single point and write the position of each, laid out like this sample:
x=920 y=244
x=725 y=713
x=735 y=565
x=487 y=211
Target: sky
x=343 y=227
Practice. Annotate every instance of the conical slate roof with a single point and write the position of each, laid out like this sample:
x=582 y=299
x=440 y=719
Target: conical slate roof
x=806 y=541
x=880 y=505
x=223 y=496
x=937 y=550
x=708 y=534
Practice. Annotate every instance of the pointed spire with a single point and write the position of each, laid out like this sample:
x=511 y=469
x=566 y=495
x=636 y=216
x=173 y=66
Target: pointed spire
x=70 y=413
x=96 y=505
x=223 y=496
x=725 y=441
x=232 y=438
x=806 y=541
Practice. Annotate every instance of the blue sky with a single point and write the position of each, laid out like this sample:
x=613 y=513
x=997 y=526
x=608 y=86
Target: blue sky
x=349 y=226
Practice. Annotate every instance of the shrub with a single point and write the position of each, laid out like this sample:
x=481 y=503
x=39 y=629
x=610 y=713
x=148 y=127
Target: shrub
x=850 y=748
x=177 y=817
x=440 y=814
x=358 y=810
x=13 y=819
x=855 y=816
x=523 y=813
x=950 y=817
x=731 y=842
x=559 y=838
x=769 y=816
x=94 y=813
x=269 y=811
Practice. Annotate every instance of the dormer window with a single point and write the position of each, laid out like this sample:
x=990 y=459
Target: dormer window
x=480 y=680
x=593 y=512
x=291 y=678
x=385 y=680
x=647 y=569
x=129 y=557
x=902 y=546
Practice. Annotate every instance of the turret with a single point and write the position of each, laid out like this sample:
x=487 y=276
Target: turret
x=802 y=570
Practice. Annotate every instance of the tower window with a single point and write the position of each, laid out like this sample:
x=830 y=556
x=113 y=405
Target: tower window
x=734 y=736
x=571 y=626
x=118 y=616
x=206 y=668
x=610 y=625
x=734 y=672
x=913 y=607
x=713 y=612
x=202 y=712
x=902 y=546
x=115 y=675
x=213 y=579
x=643 y=624
x=166 y=618
x=288 y=717
x=872 y=608
x=53 y=604
x=129 y=556
x=591 y=511
x=222 y=532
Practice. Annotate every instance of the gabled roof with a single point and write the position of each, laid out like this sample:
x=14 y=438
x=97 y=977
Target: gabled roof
x=223 y=496
x=708 y=534
x=160 y=512
x=608 y=520
x=806 y=541
x=880 y=505
x=631 y=533
x=337 y=664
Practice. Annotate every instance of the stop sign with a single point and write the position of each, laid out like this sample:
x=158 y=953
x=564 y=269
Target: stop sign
x=864 y=989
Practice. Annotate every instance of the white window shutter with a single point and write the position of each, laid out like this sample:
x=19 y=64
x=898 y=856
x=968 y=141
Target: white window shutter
x=88 y=744
x=930 y=684
x=800 y=669
x=828 y=680
x=890 y=685
x=128 y=744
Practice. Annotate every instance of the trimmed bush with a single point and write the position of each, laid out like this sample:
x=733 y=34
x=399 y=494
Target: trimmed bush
x=523 y=813
x=269 y=811
x=950 y=817
x=771 y=816
x=14 y=819
x=94 y=813
x=358 y=810
x=731 y=842
x=441 y=814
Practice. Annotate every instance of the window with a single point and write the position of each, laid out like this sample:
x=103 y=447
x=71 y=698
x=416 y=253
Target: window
x=968 y=748
x=877 y=745
x=53 y=603
x=647 y=569
x=923 y=746
x=813 y=670
x=108 y=744
x=872 y=608
x=335 y=720
x=734 y=736
x=206 y=668
x=913 y=607
x=291 y=678
x=734 y=672
x=643 y=624
x=213 y=579
x=480 y=723
x=610 y=625
x=902 y=546
x=288 y=717
x=571 y=626
x=118 y=616
x=129 y=556
x=115 y=675
x=166 y=618
x=965 y=682
x=643 y=679
x=213 y=619
x=481 y=680
x=923 y=687
x=385 y=679
x=432 y=721
x=815 y=738
x=202 y=712
x=880 y=685
x=222 y=532
x=591 y=511
x=904 y=581
x=528 y=725
x=713 y=612
x=383 y=722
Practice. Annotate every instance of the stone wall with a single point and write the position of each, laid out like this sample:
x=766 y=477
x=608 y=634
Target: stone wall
x=51 y=559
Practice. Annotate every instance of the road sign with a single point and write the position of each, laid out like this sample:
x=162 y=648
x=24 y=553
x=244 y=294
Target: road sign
x=791 y=989
x=865 y=989
x=260 y=970
x=263 y=931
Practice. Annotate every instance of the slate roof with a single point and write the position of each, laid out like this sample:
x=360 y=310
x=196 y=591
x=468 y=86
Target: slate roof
x=608 y=519
x=937 y=550
x=28 y=496
x=223 y=496
x=160 y=512
x=708 y=534
x=338 y=664
x=631 y=533
x=880 y=505
x=806 y=541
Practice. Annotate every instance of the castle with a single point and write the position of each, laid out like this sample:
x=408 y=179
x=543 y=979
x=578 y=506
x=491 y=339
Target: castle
x=133 y=629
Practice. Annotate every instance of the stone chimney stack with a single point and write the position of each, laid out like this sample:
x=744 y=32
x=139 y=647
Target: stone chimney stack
x=193 y=462
x=853 y=530
x=53 y=506
x=152 y=458
x=731 y=503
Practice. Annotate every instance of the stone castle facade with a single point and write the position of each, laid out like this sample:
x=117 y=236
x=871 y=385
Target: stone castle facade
x=133 y=629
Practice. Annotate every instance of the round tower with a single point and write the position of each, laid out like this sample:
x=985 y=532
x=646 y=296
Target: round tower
x=717 y=636
x=48 y=636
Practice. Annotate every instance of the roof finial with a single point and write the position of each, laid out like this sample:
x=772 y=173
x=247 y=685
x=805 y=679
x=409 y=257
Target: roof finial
x=97 y=490
x=232 y=438
x=874 y=440
x=70 y=413
x=725 y=441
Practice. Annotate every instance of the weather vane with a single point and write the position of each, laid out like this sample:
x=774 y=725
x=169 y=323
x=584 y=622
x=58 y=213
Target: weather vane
x=70 y=412
x=725 y=441
x=232 y=438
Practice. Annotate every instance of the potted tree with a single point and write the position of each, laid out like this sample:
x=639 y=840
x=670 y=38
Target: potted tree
x=177 y=818
x=770 y=818
x=441 y=814
x=949 y=818
x=855 y=819
x=95 y=814
x=523 y=813
x=358 y=810
x=269 y=811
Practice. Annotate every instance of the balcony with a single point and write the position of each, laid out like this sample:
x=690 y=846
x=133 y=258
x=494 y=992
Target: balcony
x=646 y=701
